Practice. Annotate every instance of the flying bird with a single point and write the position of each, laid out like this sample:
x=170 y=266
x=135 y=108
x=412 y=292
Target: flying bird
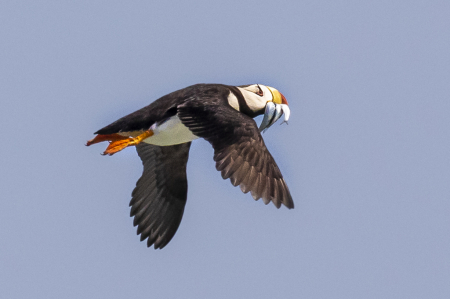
x=162 y=133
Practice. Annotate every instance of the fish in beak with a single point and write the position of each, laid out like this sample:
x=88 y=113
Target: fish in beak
x=274 y=110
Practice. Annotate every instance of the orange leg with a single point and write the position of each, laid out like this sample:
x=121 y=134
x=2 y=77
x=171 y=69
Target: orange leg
x=118 y=145
x=109 y=137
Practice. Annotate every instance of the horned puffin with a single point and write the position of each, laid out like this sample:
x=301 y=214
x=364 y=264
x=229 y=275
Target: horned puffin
x=162 y=133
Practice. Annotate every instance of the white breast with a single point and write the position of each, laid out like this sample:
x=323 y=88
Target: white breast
x=171 y=132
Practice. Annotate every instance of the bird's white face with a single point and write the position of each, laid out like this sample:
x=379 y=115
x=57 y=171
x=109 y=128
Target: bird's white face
x=256 y=96
x=267 y=100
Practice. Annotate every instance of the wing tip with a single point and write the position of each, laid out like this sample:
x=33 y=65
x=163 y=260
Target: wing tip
x=289 y=204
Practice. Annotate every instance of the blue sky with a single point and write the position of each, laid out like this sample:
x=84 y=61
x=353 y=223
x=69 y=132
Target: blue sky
x=365 y=154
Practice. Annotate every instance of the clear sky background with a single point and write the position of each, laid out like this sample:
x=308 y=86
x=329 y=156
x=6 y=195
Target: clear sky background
x=365 y=154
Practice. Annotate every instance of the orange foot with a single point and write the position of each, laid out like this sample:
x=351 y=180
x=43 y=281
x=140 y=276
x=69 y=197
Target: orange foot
x=118 y=145
x=109 y=137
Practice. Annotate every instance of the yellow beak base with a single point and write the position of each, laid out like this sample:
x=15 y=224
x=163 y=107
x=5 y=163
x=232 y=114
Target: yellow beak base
x=277 y=97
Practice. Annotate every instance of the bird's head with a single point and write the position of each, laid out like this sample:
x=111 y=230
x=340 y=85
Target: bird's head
x=261 y=99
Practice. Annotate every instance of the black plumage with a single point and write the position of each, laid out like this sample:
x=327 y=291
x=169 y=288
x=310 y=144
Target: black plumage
x=239 y=150
x=160 y=195
x=240 y=154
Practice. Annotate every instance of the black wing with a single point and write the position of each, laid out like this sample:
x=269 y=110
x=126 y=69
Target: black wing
x=239 y=149
x=159 y=198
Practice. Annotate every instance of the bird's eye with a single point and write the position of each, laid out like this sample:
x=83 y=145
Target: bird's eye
x=259 y=91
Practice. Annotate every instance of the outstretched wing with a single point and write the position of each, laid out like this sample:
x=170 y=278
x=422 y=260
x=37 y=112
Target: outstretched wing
x=159 y=198
x=239 y=149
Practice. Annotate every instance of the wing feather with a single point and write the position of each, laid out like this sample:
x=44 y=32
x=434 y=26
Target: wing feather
x=159 y=198
x=239 y=150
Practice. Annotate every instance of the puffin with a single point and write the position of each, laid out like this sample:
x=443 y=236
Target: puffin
x=162 y=133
